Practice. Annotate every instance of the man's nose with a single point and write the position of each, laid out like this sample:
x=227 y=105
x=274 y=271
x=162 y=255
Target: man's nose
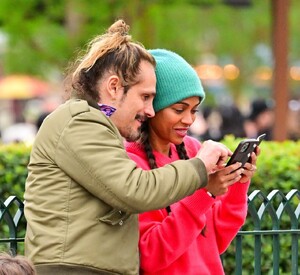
x=149 y=111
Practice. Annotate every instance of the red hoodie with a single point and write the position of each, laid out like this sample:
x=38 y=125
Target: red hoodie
x=199 y=228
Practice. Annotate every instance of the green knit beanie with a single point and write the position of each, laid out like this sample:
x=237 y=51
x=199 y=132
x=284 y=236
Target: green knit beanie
x=176 y=79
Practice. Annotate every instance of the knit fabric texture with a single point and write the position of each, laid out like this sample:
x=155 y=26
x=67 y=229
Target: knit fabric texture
x=176 y=79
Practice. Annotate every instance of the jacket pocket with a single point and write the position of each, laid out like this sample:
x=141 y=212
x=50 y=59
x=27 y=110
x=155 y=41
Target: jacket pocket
x=115 y=217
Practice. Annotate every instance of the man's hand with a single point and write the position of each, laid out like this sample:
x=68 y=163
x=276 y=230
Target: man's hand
x=213 y=154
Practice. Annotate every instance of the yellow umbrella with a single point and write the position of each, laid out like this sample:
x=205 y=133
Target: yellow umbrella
x=22 y=87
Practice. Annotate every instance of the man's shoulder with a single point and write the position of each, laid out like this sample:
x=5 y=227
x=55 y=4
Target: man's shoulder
x=75 y=107
x=75 y=110
x=78 y=106
x=72 y=106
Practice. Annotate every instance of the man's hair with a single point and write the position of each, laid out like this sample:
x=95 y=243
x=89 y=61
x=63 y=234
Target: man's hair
x=15 y=265
x=114 y=52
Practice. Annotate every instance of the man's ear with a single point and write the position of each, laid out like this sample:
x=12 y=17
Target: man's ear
x=113 y=84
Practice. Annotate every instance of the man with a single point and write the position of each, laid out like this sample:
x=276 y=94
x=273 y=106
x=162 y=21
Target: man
x=82 y=191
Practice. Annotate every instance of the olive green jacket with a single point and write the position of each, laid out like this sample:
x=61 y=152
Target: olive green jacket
x=83 y=194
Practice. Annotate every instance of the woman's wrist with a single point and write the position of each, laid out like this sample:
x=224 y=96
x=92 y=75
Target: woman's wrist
x=209 y=193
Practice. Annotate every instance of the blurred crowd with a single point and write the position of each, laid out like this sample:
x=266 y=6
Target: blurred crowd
x=211 y=122
x=217 y=122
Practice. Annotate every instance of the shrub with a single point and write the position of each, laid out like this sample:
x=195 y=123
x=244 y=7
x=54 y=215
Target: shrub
x=13 y=169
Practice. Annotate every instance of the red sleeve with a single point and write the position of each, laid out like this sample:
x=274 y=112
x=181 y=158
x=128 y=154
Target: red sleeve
x=160 y=233
x=230 y=213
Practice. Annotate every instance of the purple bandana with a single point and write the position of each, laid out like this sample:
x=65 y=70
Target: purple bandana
x=107 y=110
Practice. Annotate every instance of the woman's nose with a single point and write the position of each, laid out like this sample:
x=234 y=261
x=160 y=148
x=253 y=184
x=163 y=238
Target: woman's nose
x=188 y=119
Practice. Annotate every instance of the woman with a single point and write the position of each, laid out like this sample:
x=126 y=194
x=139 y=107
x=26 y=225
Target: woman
x=189 y=236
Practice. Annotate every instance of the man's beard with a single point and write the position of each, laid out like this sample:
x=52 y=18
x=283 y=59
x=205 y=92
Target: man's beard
x=133 y=136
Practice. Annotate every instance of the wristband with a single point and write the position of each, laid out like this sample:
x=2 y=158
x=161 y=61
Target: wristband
x=210 y=194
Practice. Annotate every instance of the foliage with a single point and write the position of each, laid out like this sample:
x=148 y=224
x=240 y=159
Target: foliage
x=43 y=35
x=13 y=169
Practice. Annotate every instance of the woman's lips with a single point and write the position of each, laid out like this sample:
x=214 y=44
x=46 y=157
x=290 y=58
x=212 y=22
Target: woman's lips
x=181 y=132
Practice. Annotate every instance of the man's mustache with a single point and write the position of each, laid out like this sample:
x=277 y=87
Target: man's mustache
x=141 y=118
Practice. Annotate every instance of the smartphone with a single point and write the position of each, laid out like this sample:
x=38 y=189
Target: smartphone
x=243 y=152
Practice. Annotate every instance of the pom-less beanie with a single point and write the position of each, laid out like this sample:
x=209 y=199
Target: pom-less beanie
x=176 y=79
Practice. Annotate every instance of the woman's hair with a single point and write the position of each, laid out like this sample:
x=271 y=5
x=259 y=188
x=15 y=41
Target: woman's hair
x=15 y=265
x=114 y=52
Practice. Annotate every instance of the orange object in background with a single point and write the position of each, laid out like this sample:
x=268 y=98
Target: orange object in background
x=22 y=87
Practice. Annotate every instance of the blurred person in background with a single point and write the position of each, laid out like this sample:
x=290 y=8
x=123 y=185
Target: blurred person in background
x=232 y=121
x=294 y=119
x=200 y=127
x=20 y=131
x=260 y=119
x=211 y=121
x=41 y=119
x=189 y=236
x=217 y=122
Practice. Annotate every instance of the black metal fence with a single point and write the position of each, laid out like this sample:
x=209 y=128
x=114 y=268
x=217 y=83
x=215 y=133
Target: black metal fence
x=11 y=219
x=271 y=234
x=275 y=215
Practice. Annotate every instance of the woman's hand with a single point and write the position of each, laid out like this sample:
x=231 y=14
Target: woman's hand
x=250 y=167
x=219 y=181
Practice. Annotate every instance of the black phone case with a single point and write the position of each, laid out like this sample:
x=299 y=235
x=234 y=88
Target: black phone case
x=243 y=152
